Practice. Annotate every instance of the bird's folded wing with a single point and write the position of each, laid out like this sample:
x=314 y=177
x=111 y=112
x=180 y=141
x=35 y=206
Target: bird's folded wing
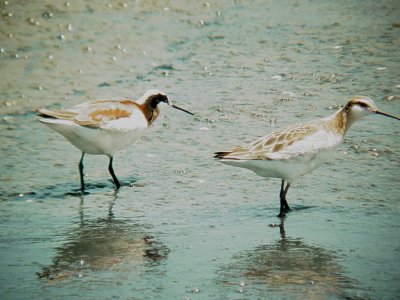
x=285 y=144
x=98 y=113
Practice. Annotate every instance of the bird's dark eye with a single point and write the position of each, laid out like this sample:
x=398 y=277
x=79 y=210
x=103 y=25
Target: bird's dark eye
x=162 y=98
x=362 y=104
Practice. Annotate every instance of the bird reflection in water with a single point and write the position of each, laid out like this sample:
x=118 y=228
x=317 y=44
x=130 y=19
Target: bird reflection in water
x=104 y=244
x=288 y=266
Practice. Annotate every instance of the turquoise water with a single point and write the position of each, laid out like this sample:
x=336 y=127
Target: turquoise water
x=183 y=225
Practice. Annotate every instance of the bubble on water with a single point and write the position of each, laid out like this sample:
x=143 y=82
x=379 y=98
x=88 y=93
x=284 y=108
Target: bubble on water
x=9 y=119
x=47 y=15
x=277 y=77
x=290 y=94
x=32 y=21
x=389 y=98
x=181 y=172
x=272 y=120
x=88 y=49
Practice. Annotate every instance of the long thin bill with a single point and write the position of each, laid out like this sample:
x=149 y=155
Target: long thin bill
x=177 y=107
x=387 y=115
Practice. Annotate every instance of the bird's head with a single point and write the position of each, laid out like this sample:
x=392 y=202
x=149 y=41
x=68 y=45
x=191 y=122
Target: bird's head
x=361 y=106
x=155 y=97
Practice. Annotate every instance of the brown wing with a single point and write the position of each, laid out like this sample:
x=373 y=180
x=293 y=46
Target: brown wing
x=93 y=114
x=98 y=113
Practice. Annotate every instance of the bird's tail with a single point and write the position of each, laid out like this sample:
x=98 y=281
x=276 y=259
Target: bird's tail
x=221 y=154
x=56 y=114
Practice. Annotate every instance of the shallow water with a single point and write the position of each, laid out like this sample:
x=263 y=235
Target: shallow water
x=183 y=225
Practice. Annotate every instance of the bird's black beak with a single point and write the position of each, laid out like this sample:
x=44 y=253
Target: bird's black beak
x=184 y=110
x=387 y=115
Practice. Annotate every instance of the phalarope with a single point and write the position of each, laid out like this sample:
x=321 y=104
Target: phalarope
x=292 y=152
x=106 y=126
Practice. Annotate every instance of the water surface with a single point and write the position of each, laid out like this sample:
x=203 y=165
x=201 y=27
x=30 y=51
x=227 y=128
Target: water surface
x=183 y=225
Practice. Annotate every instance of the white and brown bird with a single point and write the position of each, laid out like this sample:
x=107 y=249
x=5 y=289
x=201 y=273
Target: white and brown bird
x=104 y=127
x=292 y=152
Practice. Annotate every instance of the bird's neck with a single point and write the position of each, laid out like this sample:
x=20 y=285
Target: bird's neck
x=339 y=122
x=150 y=111
x=346 y=119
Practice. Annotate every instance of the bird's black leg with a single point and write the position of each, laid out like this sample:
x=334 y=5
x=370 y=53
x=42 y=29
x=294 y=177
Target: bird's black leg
x=284 y=208
x=111 y=170
x=81 y=172
x=287 y=208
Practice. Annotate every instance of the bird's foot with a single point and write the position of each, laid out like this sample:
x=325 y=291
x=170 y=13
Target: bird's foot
x=77 y=193
x=284 y=211
x=282 y=214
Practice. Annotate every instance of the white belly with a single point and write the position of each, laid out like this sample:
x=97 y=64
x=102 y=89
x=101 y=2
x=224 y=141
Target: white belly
x=288 y=169
x=96 y=141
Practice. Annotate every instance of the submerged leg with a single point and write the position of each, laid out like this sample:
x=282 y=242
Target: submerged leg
x=284 y=208
x=111 y=170
x=81 y=172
